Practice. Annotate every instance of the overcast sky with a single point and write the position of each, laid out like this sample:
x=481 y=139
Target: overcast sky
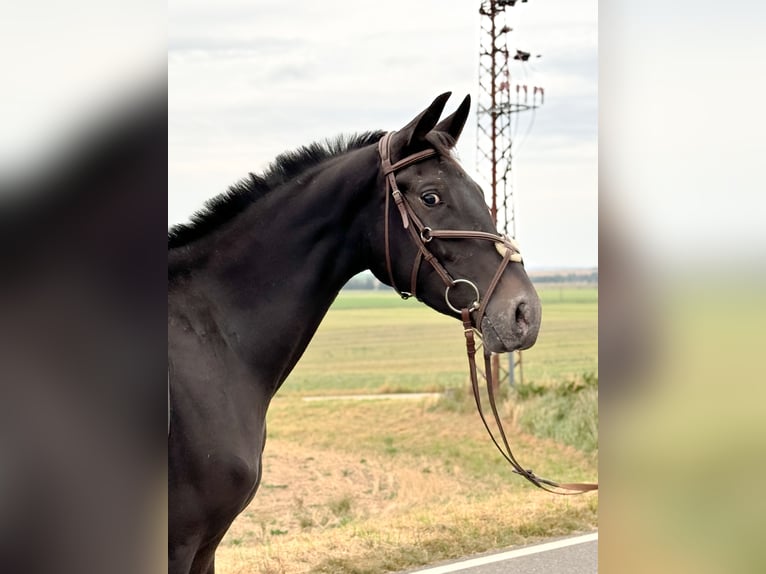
x=249 y=80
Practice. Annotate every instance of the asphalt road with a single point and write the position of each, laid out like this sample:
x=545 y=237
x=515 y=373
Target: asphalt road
x=573 y=555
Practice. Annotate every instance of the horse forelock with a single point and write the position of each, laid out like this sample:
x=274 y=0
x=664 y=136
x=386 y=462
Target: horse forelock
x=442 y=142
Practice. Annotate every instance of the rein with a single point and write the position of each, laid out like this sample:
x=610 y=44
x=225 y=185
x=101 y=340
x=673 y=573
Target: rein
x=421 y=236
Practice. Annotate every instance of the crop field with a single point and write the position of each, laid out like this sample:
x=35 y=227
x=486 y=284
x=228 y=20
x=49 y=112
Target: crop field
x=376 y=342
x=368 y=486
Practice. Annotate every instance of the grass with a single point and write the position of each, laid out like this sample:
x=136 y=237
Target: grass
x=566 y=412
x=375 y=342
x=381 y=486
x=385 y=485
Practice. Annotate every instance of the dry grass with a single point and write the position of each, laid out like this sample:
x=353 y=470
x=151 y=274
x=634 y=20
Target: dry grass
x=393 y=486
x=370 y=487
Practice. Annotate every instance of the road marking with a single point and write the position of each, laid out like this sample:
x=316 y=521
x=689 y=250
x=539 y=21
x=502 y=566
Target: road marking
x=536 y=549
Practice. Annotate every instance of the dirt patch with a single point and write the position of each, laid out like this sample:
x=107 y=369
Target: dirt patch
x=382 y=486
x=308 y=489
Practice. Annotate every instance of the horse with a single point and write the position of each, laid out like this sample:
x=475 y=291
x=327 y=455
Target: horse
x=251 y=276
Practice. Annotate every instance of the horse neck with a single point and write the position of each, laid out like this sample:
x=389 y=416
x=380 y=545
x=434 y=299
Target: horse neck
x=270 y=277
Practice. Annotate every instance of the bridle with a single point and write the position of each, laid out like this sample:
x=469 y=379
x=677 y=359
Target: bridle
x=421 y=236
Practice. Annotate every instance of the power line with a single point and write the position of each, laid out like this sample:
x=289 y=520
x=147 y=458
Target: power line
x=502 y=96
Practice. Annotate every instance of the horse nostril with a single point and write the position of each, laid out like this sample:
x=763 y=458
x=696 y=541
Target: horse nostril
x=522 y=319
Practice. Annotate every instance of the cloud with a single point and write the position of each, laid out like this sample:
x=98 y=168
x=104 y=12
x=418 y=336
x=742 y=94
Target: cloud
x=250 y=80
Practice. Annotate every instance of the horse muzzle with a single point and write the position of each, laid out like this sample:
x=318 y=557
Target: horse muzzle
x=511 y=325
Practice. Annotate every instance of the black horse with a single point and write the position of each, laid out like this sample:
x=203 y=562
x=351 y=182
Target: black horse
x=252 y=276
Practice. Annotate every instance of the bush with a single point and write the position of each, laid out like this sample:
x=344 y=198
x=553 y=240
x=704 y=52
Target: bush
x=566 y=413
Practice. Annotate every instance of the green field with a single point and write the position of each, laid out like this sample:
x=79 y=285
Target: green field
x=373 y=341
x=374 y=486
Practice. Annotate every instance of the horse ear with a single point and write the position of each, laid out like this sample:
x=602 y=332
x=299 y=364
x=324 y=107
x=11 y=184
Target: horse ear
x=417 y=129
x=453 y=125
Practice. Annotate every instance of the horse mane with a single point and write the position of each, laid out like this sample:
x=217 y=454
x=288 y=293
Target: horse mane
x=247 y=191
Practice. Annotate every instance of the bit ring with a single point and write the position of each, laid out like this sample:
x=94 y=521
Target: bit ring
x=473 y=306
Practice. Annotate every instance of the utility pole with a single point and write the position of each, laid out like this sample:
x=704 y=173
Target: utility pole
x=502 y=95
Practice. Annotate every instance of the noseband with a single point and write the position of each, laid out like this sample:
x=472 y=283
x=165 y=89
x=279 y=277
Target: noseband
x=421 y=236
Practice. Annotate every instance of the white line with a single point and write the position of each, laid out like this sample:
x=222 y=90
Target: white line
x=545 y=547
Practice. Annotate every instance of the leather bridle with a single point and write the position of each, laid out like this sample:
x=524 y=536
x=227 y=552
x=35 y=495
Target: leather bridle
x=421 y=236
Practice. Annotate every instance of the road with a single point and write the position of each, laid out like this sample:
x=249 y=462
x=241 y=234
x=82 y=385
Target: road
x=573 y=555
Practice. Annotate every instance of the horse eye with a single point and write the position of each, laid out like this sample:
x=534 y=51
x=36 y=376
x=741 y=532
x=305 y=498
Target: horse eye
x=430 y=199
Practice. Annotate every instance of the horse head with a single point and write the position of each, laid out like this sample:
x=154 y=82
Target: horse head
x=440 y=243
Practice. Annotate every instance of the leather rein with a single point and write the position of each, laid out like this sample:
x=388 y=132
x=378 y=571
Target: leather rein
x=421 y=236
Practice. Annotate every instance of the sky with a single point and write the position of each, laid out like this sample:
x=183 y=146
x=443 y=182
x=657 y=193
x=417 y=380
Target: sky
x=249 y=80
